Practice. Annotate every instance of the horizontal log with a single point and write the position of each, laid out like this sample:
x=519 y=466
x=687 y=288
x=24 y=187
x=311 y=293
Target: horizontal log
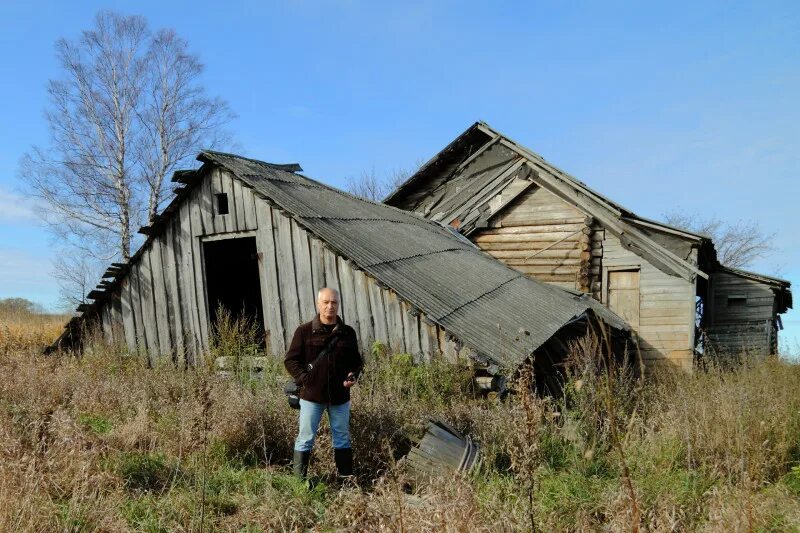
x=546 y=269
x=544 y=261
x=528 y=237
x=597 y=236
x=552 y=221
x=546 y=277
x=540 y=228
x=524 y=214
x=532 y=246
x=552 y=253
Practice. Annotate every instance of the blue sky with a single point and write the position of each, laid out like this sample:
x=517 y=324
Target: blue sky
x=660 y=106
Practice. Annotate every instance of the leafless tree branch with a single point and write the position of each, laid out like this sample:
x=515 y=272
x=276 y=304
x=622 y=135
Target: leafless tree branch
x=126 y=112
x=738 y=244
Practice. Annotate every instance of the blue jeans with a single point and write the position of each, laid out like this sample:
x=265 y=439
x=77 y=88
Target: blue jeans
x=310 y=416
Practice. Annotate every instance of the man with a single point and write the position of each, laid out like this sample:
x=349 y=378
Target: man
x=324 y=381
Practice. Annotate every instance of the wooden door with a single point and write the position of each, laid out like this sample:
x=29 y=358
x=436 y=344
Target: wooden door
x=623 y=295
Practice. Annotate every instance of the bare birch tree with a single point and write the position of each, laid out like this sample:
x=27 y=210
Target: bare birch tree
x=126 y=112
x=738 y=244
x=86 y=176
x=370 y=187
x=177 y=117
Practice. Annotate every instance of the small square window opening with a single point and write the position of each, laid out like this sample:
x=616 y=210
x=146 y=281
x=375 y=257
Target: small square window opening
x=222 y=203
x=737 y=301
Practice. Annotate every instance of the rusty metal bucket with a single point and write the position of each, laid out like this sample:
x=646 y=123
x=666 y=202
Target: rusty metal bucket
x=441 y=451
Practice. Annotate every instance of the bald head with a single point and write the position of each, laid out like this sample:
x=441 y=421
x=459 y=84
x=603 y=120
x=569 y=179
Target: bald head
x=328 y=305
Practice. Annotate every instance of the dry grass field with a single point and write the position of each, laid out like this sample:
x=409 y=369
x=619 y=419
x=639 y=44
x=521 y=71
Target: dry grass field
x=103 y=443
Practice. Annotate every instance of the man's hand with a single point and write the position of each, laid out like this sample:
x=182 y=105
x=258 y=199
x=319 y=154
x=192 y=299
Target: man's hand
x=350 y=381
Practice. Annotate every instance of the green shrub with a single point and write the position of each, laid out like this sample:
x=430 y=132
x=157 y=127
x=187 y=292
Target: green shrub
x=145 y=471
x=792 y=480
x=96 y=423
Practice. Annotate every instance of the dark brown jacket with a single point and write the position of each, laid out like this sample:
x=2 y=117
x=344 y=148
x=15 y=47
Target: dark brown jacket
x=324 y=383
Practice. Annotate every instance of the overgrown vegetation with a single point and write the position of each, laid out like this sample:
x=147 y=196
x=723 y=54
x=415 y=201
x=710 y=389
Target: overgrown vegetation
x=101 y=442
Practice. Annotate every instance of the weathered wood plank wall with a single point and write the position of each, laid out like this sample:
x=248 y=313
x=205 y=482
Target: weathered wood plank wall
x=743 y=313
x=161 y=307
x=544 y=237
x=667 y=307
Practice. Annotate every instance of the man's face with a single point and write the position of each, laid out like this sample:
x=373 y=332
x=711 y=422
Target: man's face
x=328 y=306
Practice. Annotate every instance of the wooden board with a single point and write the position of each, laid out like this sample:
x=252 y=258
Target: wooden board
x=543 y=228
x=364 y=310
x=378 y=312
x=126 y=307
x=394 y=322
x=105 y=323
x=411 y=331
x=286 y=274
x=317 y=264
x=205 y=202
x=302 y=264
x=248 y=206
x=332 y=273
x=489 y=246
x=136 y=302
x=173 y=292
x=149 y=317
x=537 y=203
x=187 y=282
x=349 y=310
x=268 y=277
x=237 y=205
x=198 y=228
x=164 y=318
x=428 y=339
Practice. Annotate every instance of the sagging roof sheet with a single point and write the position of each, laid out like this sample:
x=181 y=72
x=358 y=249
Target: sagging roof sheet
x=501 y=314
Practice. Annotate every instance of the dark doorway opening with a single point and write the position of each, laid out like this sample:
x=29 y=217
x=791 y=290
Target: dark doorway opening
x=232 y=280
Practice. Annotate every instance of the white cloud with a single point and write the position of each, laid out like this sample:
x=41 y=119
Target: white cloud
x=16 y=208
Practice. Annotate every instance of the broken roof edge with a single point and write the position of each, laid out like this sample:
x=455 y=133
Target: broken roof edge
x=538 y=164
x=667 y=228
x=418 y=175
x=755 y=276
x=286 y=167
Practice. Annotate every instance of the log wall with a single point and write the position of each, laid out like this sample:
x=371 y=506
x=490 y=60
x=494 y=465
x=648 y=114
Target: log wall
x=545 y=238
x=160 y=307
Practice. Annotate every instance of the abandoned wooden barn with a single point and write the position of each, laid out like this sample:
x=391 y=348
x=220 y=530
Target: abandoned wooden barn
x=539 y=220
x=262 y=239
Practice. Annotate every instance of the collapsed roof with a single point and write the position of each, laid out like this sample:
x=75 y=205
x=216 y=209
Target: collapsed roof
x=495 y=310
x=451 y=190
x=499 y=313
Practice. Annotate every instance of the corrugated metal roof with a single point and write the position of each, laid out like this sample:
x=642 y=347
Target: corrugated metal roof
x=501 y=314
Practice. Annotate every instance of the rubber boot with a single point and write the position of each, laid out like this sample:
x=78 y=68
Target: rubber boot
x=300 y=463
x=344 y=462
